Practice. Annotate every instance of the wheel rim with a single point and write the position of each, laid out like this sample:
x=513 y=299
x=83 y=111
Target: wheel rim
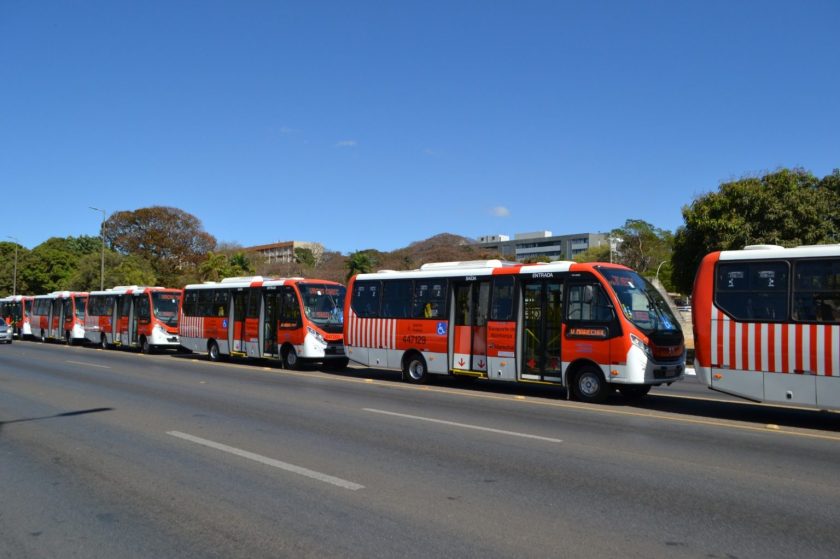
x=589 y=384
x=291 y=358
x=214 y=352
x=103 y=342
x=416 y=370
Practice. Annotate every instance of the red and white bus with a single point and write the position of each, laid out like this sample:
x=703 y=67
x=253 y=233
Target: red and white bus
x=59 y=316
x=589 y=327
x=17 y=309
x=295 y=320
x=767 y=324
x=135 y=317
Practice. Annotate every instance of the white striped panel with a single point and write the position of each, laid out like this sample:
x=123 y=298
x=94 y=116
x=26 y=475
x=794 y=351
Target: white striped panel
x=379 y=332
x=726 y=355
x=751 y=347
x=715 y=318
x=806 y=348
x=739 y=352
x=394 y=336
x=820 y=341
x=764 y=348
x=777 y=347
x=791 y=364
x=835 y=350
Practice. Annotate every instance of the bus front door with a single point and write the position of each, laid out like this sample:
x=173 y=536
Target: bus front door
x=271 y=315
x=468 y=350
x=542 y=329
x=236 y=332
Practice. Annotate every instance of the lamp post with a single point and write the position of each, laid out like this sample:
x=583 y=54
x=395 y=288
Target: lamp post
x=102 y=242
x=14 y=281
x=614 y=242
x=656 y=279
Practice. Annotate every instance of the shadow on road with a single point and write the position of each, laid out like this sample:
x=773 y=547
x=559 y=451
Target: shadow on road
x=65 y=414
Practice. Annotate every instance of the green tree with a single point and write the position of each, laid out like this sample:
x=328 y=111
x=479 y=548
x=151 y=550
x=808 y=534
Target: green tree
x=643 y=246
x=119 y=270
x=219 y=266
x=305 y=257
x=7 y=267
x=599 y=253
x=171 y=240
x=788 y=207
x=51 y=265
x=359 y=262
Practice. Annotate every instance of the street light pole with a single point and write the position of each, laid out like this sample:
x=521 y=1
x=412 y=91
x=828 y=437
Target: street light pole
x=102 y=242
x=656 y=279
x=14 y=281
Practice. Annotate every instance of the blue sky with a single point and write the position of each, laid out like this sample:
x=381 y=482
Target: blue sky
x=375 y=124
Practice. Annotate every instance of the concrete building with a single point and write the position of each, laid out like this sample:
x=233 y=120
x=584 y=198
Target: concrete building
x=525 y=246
x=284 y=251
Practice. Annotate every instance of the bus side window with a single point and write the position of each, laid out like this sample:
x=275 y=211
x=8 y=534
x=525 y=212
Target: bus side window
x=365 y=301
x=290 y=317
x=502 y=299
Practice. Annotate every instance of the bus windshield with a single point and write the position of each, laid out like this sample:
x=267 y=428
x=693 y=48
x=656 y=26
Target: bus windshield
x=324 y=305
x=81 y=302
x=165 y=307
x=641 y=302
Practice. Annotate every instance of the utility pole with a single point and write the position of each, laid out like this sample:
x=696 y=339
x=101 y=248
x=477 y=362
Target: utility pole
x=14 y=281
x=102 y=257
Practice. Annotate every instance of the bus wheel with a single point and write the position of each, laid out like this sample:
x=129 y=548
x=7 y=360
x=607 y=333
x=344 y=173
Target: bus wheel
x=589 y=385
x=213 y=351
x=414 y=370
x=634 y=391
x=103 y=342
x=43 y=336
x=67 y=337
x=290 y=358
x=145 y=346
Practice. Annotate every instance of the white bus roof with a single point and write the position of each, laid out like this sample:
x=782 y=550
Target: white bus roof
x=772 y=252
x=249 y=281
x=134 y=289
x=473 y=268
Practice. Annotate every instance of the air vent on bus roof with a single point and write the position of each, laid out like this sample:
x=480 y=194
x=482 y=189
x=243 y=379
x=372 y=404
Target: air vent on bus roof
x=467 y=264
x=241 y=279
x=762 y=247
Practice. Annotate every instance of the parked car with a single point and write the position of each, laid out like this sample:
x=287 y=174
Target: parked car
x=5 y=333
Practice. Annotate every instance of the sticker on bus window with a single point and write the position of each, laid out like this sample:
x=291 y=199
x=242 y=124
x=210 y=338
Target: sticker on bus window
x=441 y=328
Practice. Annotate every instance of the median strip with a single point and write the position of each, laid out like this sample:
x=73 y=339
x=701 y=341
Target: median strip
x=343 y=483
x=465 y=425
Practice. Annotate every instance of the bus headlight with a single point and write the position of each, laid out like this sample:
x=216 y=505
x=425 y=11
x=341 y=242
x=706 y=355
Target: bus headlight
x=636 y=341
x=317 y=335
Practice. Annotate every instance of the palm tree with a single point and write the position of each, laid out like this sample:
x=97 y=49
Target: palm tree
x=359 y=262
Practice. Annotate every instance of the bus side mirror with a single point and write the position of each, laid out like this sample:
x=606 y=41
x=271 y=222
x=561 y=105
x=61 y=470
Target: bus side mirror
x=587 y=294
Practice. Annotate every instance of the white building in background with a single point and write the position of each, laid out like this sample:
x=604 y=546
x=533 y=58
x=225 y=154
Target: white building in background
x=525 y=246
x=284 y=251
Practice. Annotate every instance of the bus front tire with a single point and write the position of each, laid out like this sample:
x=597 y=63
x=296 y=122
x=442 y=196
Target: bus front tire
x=414 y=370
x=213 y=351
x=290 y=358
x=145 y=346
x=634 y=391
x=589 y=386
x=103 y=342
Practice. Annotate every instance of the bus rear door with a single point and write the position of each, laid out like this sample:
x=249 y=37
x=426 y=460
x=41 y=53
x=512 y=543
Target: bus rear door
x=468 y=345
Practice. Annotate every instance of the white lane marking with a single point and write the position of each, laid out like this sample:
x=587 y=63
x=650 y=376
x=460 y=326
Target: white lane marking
x=465 y=425
x=88 y=364
x=269 y=461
